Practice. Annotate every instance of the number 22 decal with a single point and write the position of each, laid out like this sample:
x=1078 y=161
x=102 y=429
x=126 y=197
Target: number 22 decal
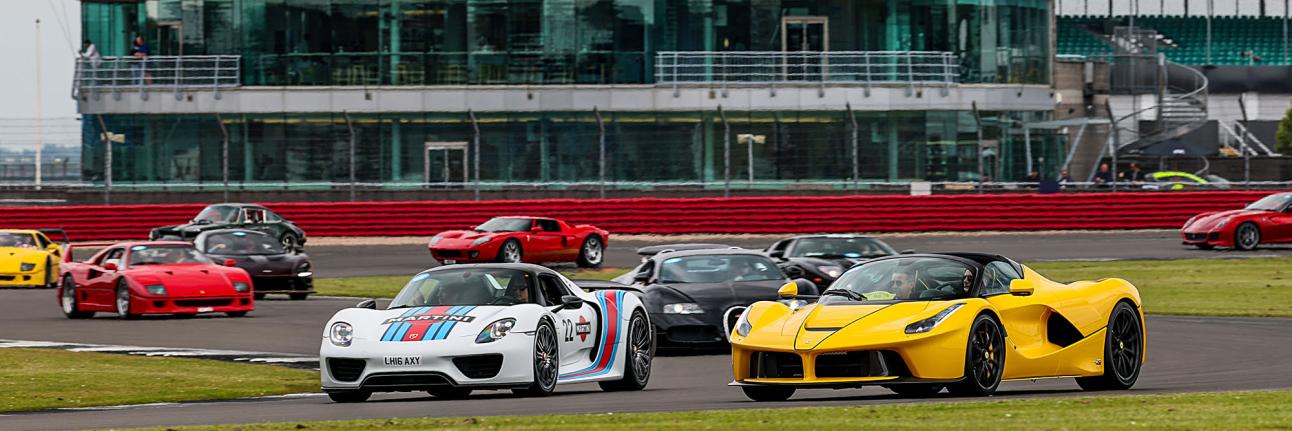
x=569 y=329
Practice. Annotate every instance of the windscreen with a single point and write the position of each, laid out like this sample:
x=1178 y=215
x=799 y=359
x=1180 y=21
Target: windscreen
x=243 y=244
x=217 y=214
x=1274 y=202
x=907 y=278
x=834 y=248
x=719 y=268
x=17 y=240
x=165 y=254
x=504 y=224
x=467 y=286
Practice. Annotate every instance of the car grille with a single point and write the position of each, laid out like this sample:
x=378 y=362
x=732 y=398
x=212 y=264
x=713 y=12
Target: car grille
x=448 y=253
x=850 y=364
x=345 y=369
x=479 y=366
x=1195 y=236
x=406 y=380
x=203 y=302
x=774 y=365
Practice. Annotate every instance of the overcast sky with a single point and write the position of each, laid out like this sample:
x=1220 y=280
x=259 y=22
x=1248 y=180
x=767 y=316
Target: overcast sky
x=18 y=74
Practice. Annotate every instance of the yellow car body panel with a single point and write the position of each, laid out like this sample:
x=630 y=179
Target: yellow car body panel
x=938 y=355
x=44 y=263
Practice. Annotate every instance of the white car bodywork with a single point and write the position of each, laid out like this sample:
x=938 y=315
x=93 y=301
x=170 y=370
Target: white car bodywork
x=408 y=349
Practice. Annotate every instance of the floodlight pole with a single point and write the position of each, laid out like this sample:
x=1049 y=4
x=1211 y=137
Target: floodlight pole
x=601 y=161
x=107 y=161
x=726 y=153
x=350 y=126
x=475 y=152
x=856 y=171
x=224 y=155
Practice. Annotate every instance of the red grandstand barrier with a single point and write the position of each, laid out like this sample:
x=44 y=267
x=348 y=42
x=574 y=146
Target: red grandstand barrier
x=786 y=214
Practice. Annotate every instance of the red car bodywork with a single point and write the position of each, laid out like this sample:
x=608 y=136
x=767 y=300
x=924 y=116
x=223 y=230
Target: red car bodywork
x=538 y=245
x=191 y=288
x=1219 y=229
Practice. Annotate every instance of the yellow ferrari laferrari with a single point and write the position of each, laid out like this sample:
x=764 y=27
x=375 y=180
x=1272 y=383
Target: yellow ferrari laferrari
x=28 y=258
x=919 y=323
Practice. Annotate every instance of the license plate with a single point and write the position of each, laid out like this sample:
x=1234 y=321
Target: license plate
x=401 y=361
x=450 y=262
x=205 y=309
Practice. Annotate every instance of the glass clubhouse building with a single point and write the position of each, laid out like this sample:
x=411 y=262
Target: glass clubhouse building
x=673 y=91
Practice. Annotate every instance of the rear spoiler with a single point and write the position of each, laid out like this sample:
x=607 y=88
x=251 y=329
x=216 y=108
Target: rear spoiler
x=591 y=285
x=652 y=250
x=67 y=249
x=50 y=232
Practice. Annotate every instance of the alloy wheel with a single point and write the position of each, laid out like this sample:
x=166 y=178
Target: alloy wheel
x=592 y=251
x=511 y=252
x=1125 y=346
x=545 y=360
x=988 y=355
x=640 y=348
x=123 y=301
x=69 y=296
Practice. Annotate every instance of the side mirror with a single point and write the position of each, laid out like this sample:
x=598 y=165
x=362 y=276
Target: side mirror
x=776 y=254
x=805 y=286
x=788 y=291
x=907 y=251
x=1021 y=287
x=571 y=302
x=370 y=304
x=110 y=266
x=535 y=229
x=230 y=262
x=641 y=277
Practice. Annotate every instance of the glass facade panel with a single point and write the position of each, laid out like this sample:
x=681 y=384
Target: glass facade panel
x=432 y=42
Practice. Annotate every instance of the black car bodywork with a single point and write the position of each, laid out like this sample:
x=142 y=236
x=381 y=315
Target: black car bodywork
x=803 y=256
x=719 y=301
x=235 y=216
x=273 y=269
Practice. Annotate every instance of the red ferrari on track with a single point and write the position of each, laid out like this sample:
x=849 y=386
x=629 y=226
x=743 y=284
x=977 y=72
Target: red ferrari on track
x=1265 y=221
x=522 y=239
x=136 y=278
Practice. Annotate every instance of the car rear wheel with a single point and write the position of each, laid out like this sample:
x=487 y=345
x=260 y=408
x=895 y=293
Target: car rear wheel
x=640 y=355
x=349 y=396
x=767 y=393
x=510 y=252
x=1247 y=237
x=71 y=308
x=984 y=359
x=546 y=362
x=592 y=252
x=450 y=392
x=123 y=300
x=1123 y=352
x=916 y=390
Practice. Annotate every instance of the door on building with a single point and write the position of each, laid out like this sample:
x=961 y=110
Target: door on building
x=803 y=40
x=445 y=164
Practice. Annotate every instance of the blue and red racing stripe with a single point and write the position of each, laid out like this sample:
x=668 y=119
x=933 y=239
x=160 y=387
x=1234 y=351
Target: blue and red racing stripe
x=612 y=302
x=419 y=330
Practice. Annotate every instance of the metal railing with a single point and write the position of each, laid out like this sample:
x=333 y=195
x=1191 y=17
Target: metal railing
x=190 y=72
x=735 y=67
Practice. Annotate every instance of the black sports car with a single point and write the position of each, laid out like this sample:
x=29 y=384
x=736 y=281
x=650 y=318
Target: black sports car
x=235 y=216
x=694 y=296
x=273 y=269
x=822 y=258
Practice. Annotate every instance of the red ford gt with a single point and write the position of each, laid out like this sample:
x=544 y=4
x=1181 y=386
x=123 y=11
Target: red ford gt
x=1265 y=221
x=522 y=239
x=136 y=278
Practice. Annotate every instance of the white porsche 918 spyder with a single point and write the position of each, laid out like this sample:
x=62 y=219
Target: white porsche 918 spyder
x=458 y=328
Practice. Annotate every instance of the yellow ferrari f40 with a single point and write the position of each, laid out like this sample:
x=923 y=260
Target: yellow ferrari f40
x=28 y=258
x=919 y=323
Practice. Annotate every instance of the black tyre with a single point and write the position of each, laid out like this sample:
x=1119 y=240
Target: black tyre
x=298 y=296
x=258 y=296
x=349 y=396
x=547 y=361
x=450 y=392
x=639 y=357
x=51 y=278
x=1123 y=352
x=511 y=252
x=768 y=393
x=984 y=359
x=236 y=314
x=1247 y=236
x=71 y=305
x=592 y=253
x=290 y=241
x=916 y=390
x=123 y=299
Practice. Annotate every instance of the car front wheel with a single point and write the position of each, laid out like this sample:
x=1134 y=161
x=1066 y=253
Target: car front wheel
x=123 y=301
x=1247 y=237
x=547 y=361
x=984 y=359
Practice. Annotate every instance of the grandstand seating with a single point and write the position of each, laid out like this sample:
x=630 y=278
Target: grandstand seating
x=1230 y=36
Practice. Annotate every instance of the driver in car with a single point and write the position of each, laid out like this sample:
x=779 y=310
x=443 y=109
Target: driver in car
x=967 y=283
x=903 y=285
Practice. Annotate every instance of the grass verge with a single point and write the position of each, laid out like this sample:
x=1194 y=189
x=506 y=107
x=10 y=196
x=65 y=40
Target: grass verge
x=38 y=379
x=1199 y=287
x=1226 y=410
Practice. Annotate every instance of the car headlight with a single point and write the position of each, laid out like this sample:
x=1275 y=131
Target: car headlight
x=341 y=334
x=496 y=331
x=834 y=271
x=481 y=240
x=305 y=274
x=435 y=239
x=683 y=308
x=155 y=289
x=927 y=325
x=241 y=287
x=27 y=267
x=742 y=324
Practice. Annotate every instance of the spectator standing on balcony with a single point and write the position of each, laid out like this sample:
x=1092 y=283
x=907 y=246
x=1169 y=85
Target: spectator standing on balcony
x=90 y=61
x=1135 y=174
x=1104 y=176
x=1064 y=179
x=140 y=52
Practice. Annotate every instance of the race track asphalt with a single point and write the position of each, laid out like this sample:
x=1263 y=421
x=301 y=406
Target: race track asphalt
x=1185 y=353
x=361 y=260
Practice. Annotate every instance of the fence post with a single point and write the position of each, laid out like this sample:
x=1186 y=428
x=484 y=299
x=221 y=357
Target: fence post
x=475 y=143
x=977 y=119
x=726 y=153
x=601 y=152
x=107 y=161
x=224 y=156
x=856 y=171
x=350 y=125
